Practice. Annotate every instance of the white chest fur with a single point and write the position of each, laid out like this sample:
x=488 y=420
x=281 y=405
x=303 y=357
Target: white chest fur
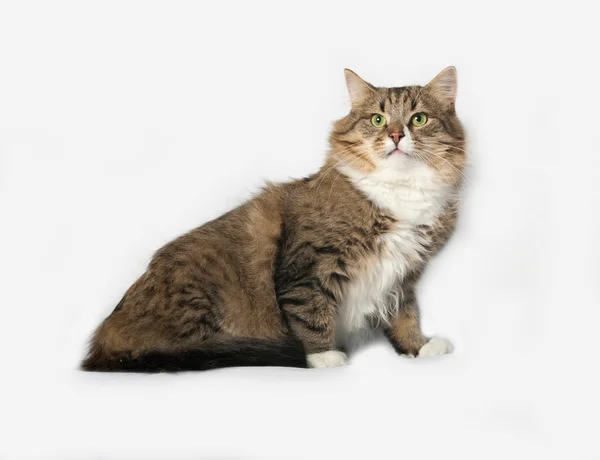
x=415 y=197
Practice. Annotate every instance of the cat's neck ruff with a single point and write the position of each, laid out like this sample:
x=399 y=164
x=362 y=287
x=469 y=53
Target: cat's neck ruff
x=414 y=194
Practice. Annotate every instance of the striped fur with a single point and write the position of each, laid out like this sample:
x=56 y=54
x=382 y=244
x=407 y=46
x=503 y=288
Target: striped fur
x=305 y=265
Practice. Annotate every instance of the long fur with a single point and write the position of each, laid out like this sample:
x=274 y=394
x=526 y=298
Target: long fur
x=236 y=352
x=320 y=259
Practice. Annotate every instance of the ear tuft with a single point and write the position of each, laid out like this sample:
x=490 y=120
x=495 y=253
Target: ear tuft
x=358 y=89
x=444 y=85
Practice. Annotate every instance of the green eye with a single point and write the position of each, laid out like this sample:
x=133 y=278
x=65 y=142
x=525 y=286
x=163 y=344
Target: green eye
x=378 y=120
x=419 y=119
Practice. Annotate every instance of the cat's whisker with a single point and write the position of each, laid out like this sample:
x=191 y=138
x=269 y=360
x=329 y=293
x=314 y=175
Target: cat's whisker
x=340 y=157
x=345 y=163
x=342 y=161
x=462 y=175
x=339 y=174
x=338 y=162
x=457 y=190
x=445 y=144
x=438 y=155
x=422 y=158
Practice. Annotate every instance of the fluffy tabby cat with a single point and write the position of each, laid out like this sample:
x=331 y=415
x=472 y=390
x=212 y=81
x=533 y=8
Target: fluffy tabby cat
x=293 y=275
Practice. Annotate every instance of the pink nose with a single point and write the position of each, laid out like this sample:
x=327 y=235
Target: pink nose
x=396 y=137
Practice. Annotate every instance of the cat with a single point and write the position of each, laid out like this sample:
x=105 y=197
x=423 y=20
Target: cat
x=294 y=275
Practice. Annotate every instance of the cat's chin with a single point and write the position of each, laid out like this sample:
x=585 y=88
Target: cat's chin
x=398 y=160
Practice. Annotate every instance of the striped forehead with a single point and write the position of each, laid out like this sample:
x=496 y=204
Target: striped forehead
x=398 y=103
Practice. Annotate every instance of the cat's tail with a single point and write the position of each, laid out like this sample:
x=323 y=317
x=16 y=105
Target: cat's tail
x=231 y=353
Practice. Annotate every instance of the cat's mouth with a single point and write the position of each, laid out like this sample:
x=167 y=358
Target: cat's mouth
x=397 y=151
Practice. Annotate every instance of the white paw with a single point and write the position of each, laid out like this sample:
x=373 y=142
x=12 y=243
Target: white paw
x=332 y=358
x=435 y=347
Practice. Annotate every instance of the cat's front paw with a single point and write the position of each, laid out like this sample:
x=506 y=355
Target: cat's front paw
x=331 y=358
x=435 y=347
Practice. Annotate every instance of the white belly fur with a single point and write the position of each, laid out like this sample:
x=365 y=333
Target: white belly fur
x=415 y=197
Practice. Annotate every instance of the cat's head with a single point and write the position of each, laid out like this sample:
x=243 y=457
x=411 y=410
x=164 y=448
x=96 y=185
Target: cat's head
x=398 y=129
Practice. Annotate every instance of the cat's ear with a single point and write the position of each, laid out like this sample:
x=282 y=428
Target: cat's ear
x=443 y=86
x=358 y=89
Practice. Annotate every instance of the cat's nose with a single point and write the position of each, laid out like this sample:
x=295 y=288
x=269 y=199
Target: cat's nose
x=396 y=137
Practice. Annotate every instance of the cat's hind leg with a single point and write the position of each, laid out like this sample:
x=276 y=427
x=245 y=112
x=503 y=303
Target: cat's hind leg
x=330 y=358
x=310 y=317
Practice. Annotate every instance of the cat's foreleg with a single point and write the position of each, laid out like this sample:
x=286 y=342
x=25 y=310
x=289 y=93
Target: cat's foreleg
x=404 y=331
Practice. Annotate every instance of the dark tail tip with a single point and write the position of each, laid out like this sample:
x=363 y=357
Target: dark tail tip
x=232 y=353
